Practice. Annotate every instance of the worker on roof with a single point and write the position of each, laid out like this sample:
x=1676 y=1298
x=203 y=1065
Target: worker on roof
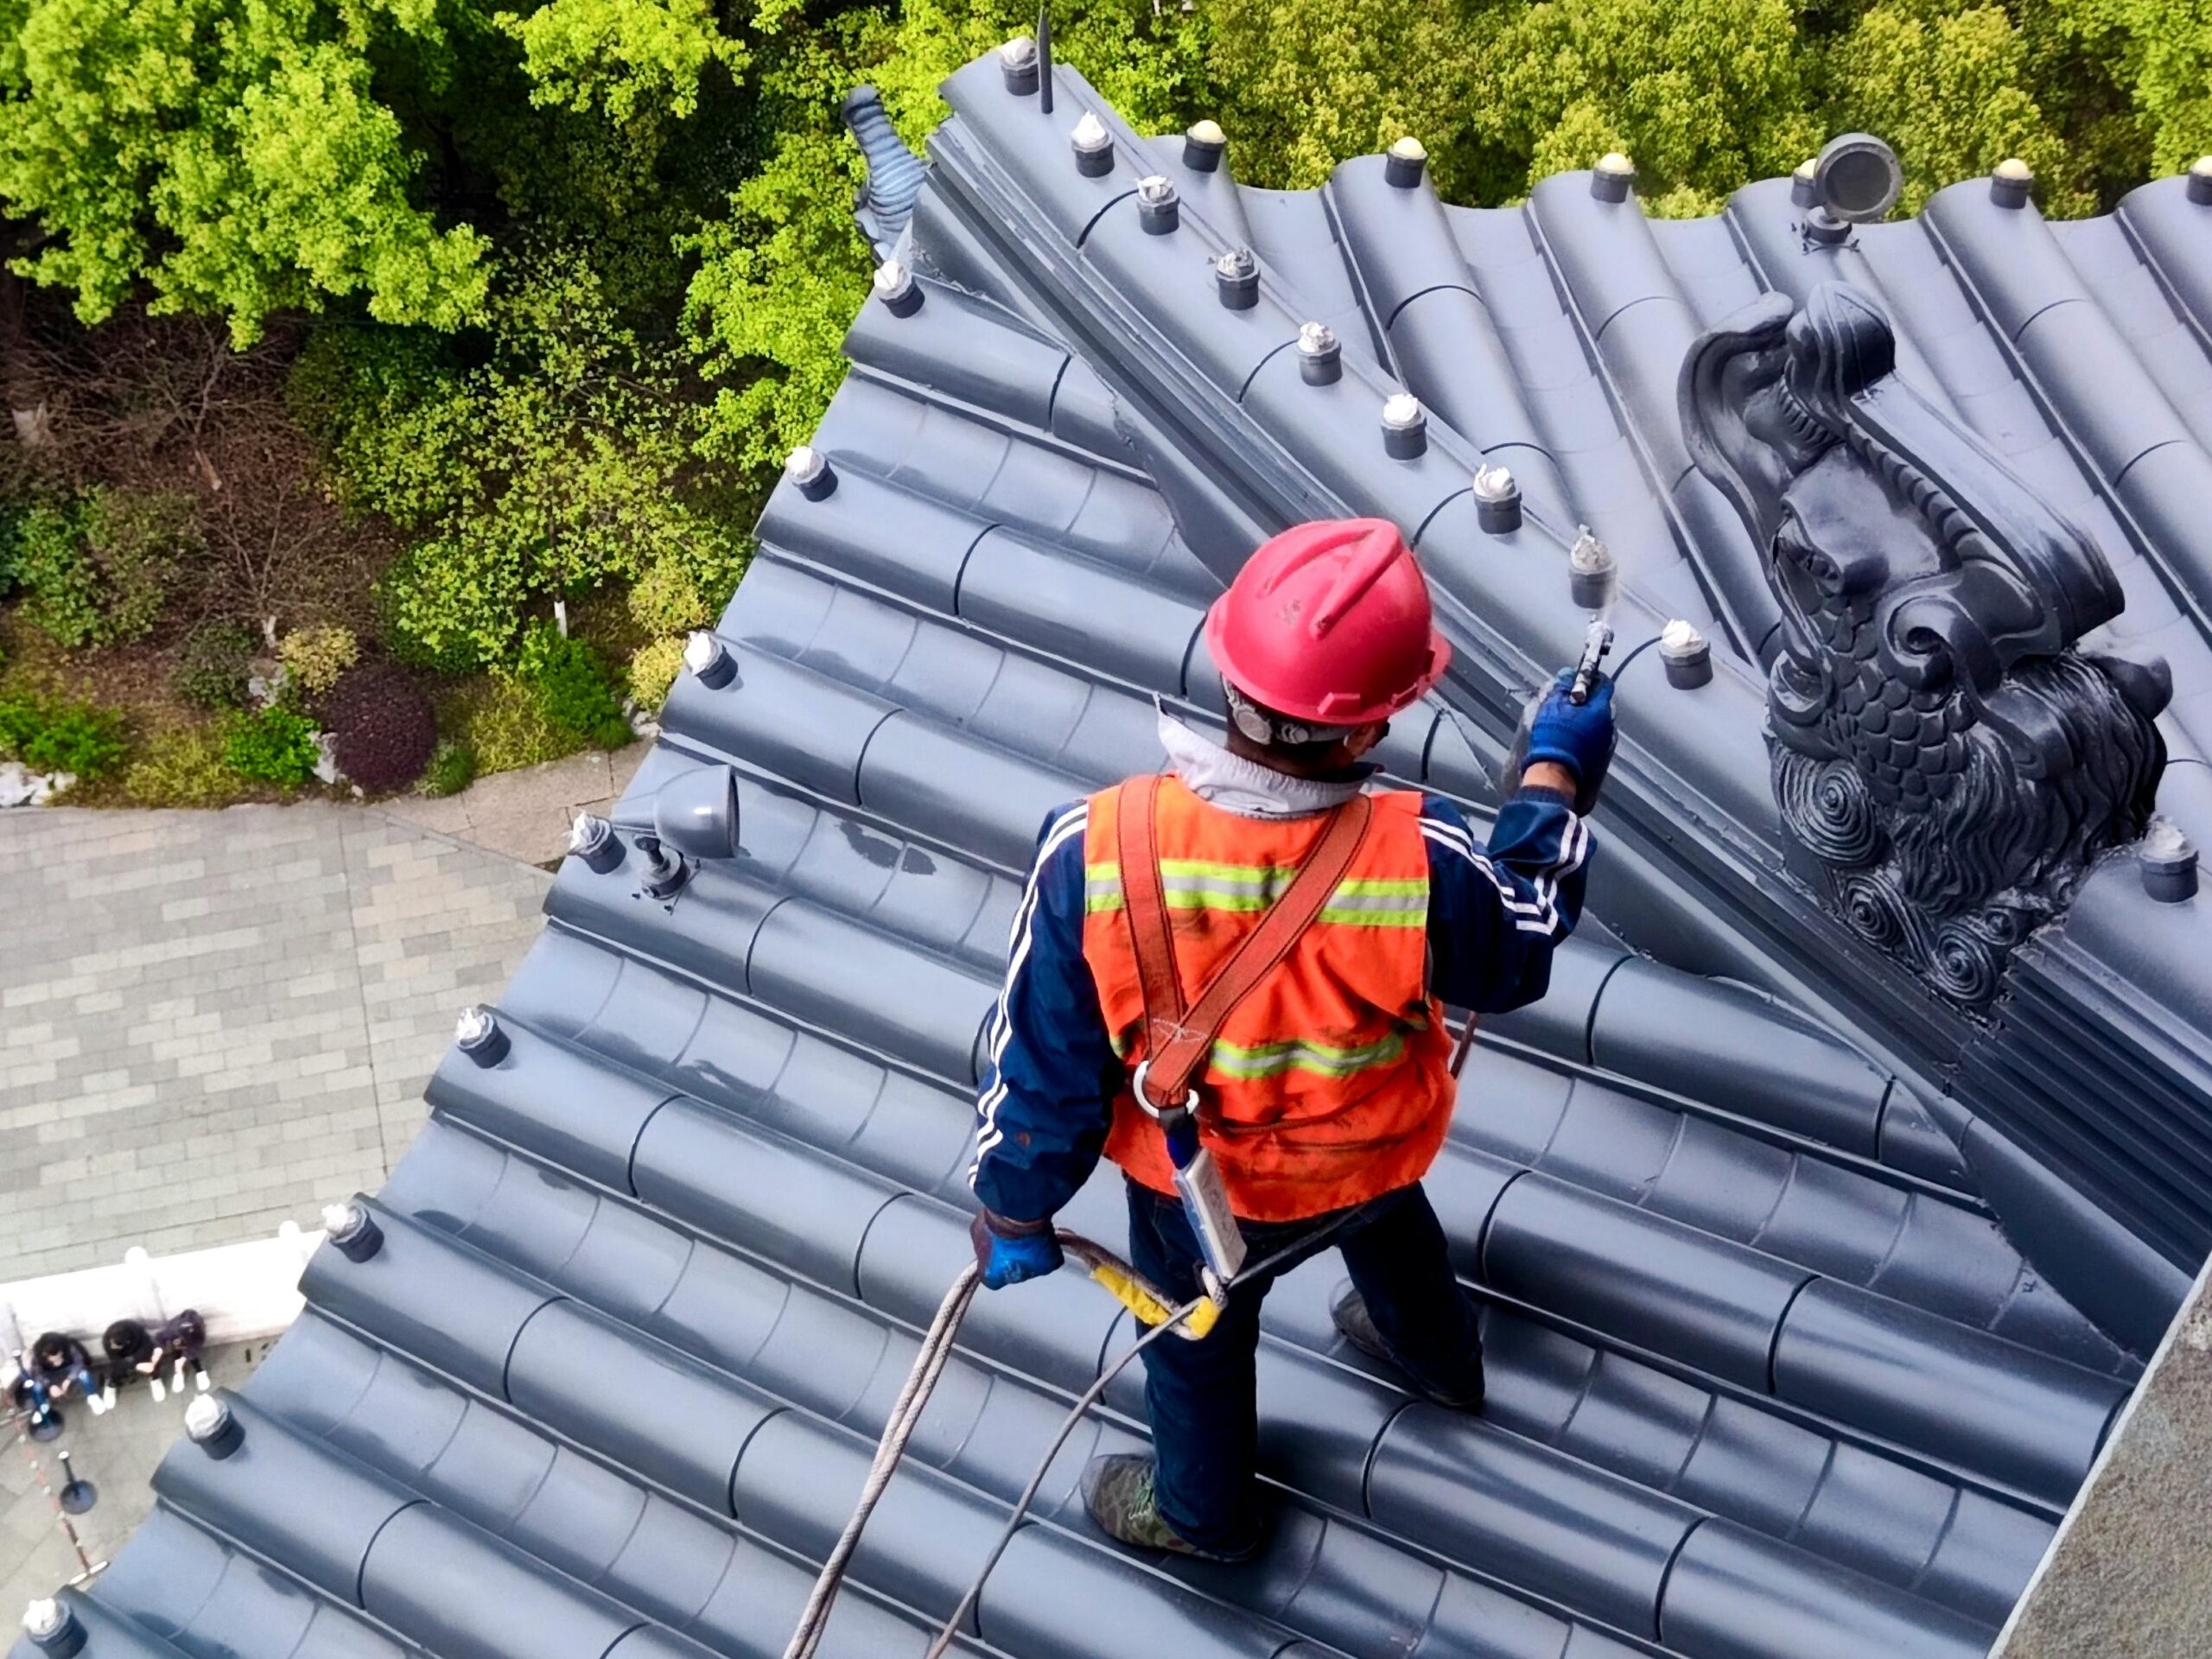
x=1324 y=1093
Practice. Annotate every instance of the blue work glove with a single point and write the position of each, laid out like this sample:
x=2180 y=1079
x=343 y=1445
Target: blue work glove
x=1579 y=736
x=1009 y=1252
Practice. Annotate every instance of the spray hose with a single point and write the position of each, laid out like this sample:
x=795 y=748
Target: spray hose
x=1190 y=1320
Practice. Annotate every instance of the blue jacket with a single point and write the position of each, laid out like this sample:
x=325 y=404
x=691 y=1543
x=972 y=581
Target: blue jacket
x=1495 y=916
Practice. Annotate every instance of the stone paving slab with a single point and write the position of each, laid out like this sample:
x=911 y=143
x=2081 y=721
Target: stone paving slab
x=525 y=814
x=2129 y=1575
x=213 y=1021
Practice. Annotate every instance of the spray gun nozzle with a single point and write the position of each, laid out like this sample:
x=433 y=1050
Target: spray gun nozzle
x=1595 y=644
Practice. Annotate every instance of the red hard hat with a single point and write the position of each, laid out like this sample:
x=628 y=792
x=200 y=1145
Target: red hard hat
x=1329 y=622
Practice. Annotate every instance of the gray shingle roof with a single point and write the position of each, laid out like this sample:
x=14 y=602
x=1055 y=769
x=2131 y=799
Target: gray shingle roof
x=1767 y=1379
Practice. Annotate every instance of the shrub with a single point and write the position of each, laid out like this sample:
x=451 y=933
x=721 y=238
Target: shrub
x=96 y=571
x=212 y=664
x=382 y=729
x=413 y=610
x=50 y=563
x=453 y=768
x=184 y=766
x=571 y=688
x=272 y=745
x=653 y=668
x=505 y=723
x=316 y=657
x=54 y=734
x=667 y=599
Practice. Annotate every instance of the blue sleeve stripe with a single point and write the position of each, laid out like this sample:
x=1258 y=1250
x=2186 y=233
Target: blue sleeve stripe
x=1070 y=825
x=1541 y=916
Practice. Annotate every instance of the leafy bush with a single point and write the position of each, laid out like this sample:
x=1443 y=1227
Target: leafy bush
x=271 y=746
x=541 y=461
x=453 y=768
x=314 y=658
x=96 y=571
x=184 y=766
x=571 y=687
x=500 y=720
x=419 y=598
x=381 y=726
x=653 y=669
x=55 y=734
x=667 y=599
x=211 y=665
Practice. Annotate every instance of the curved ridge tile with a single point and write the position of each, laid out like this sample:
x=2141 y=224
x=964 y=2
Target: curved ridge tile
x=1639 y=325
x=2175 y=235
x=2111 y=408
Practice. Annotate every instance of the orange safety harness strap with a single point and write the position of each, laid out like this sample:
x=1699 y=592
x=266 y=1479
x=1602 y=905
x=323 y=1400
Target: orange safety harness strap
x=1178 y=1038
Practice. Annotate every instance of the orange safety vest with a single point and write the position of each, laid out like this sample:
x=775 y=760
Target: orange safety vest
x=1331 y=1082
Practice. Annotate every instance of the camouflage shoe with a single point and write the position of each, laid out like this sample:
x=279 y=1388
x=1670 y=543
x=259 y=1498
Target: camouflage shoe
x=1357 y=1327
x=1117 y=1490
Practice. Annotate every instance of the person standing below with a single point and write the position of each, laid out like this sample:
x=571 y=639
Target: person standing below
x=1323 y=1094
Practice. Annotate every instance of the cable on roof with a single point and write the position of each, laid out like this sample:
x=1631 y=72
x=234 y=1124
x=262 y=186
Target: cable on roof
x=1192 y=1321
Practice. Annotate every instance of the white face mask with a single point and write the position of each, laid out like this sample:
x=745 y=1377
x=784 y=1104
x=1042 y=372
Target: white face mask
x=1245 y=787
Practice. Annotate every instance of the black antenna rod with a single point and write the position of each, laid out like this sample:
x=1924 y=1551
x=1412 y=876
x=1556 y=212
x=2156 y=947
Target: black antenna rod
x=1044 y=59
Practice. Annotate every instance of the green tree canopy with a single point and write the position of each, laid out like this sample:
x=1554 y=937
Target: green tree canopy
x=228 y=154
x=582 y=267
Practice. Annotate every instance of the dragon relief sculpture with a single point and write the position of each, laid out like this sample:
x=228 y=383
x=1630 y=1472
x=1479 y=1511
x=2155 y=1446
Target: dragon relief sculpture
x=1947 y=760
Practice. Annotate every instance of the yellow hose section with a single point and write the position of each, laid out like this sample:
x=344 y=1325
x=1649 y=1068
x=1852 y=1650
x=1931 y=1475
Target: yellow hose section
x=1142 y=1301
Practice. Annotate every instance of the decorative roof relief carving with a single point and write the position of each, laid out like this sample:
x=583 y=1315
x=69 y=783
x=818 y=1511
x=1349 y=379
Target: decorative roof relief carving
x=1945 y=758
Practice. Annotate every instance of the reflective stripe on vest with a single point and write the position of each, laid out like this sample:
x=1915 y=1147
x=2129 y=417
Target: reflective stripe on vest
x=1199 y=884
x=1330 y=1084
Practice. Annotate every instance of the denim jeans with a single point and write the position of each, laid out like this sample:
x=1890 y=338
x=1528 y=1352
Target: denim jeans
x=1199 y=1395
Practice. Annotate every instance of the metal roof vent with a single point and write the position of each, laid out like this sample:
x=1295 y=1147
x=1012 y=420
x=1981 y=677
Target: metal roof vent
x=809 y=469
x=1159 y=210
x=1237 y=277
x=895 y=174
x=477 y=1030
x=2200 y=182
x=1592 y=572
x=352 y=1231
x=52 y=1628
x=1405 y=426
x=2169 y=862
x=2010 y=182
x=1687 y=655
x=1498 y=500
x=895 y=286
x=1407 y=161
x=592 y=839
x=709 y=661
x=1093 y=146
x=1613 y=177
x=1018 y=64
x=1320 y=358
x=1856 y=178
x=1203 y=146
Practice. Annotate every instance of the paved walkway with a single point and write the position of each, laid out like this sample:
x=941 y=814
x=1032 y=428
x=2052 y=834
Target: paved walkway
x=211 y=1021
x=525 y=814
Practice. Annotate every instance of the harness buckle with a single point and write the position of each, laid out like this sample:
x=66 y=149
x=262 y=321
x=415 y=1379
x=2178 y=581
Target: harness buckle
x=1158 y=1113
